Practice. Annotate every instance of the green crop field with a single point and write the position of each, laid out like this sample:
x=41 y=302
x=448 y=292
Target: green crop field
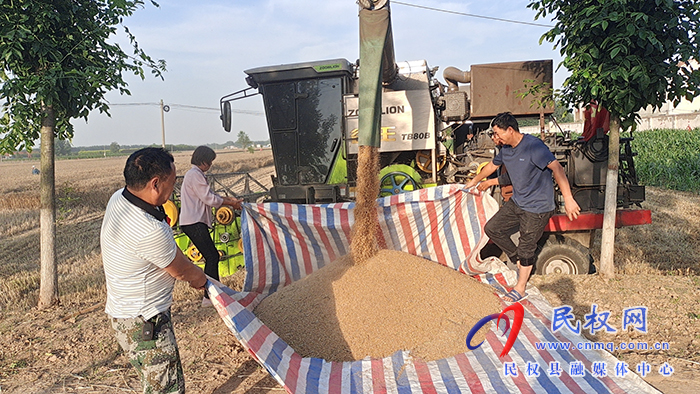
x=668 y=158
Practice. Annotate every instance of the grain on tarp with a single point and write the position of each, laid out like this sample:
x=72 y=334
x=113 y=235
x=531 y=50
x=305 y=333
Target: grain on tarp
x=394 y=301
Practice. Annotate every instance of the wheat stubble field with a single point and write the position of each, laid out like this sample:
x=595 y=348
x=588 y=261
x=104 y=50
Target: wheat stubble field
x=71 y=349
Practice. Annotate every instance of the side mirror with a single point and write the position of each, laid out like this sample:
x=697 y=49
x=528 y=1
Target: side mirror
x=226 y=115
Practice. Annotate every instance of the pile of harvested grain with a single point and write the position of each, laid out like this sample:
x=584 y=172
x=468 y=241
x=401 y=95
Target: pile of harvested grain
x=394 y=301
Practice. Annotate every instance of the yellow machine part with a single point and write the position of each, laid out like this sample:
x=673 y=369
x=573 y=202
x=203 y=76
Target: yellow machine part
x=424 y=161
x=193 y=253
x=171 y=212
x=224 y=215
x=481 y=166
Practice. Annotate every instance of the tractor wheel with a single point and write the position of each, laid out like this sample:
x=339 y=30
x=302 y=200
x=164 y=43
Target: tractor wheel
x=563 y=256
x=398 y=178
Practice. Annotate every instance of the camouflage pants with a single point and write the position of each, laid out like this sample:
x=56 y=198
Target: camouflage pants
x=157 y=361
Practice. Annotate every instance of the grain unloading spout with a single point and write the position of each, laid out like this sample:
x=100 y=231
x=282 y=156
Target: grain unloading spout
x=377 y=64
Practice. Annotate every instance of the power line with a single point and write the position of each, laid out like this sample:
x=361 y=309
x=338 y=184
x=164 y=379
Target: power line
x=472 y=15
x=238 y=111
x=135 y=104
x=184 y=106
x=193 y=106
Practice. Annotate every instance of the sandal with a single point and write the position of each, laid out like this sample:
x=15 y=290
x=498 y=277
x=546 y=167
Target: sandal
x=513 y=296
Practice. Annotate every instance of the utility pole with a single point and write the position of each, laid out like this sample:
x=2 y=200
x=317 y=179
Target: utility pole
x=162 y=122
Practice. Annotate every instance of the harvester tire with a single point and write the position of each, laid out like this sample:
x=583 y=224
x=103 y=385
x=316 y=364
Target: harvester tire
x=563 y=256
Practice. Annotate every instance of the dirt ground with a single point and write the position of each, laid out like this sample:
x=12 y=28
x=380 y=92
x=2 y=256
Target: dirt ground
x=71 y=348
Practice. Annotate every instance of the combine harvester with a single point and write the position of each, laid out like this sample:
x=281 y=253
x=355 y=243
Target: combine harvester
x=431 y=134
x=432 y=139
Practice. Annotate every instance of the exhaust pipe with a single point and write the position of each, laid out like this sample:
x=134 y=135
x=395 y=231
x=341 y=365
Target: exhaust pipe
x=453 y=75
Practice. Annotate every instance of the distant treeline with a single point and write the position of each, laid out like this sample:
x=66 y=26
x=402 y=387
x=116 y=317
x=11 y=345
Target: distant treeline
x=63 y=150
x=128 y=149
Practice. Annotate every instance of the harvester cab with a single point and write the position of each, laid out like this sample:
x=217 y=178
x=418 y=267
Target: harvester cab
x=304 y=108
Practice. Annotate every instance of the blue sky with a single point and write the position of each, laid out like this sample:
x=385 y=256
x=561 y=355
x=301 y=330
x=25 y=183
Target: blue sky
x=208 y=44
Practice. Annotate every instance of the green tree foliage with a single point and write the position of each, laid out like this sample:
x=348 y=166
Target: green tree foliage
x=626 y=54
x=114 y=147
x=62 y=148
x=60 y=55
x=57 y=61
x=561 y=113
x=243 y=140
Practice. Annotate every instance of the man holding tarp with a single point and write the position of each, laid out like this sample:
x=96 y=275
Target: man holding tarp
x=141 y=263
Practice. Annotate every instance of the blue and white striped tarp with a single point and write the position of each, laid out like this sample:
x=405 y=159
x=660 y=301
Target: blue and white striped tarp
x=286 y=242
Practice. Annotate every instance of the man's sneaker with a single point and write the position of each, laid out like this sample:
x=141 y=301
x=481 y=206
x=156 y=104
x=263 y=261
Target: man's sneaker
x=206 y=302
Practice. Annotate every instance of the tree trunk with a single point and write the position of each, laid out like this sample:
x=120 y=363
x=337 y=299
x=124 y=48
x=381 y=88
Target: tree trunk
x=48 y=288
x=607 y=247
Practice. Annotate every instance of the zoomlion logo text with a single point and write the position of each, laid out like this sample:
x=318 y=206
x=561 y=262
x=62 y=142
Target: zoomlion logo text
x=517 y=308
x=328 y=67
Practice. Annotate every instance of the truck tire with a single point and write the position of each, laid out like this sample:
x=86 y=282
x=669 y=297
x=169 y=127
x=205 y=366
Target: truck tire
x=564 y=256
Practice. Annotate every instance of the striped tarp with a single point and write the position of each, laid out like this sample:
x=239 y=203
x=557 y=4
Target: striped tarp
x=286 y=242
x=443 y=224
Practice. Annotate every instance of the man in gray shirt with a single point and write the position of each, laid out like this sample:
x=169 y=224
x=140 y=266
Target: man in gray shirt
x=531 y=167
x=141 y=263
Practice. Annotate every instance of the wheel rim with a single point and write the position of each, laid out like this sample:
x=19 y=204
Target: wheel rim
x=194 y=254
x=424 y=161
x=396 y=182
x=560 y=265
